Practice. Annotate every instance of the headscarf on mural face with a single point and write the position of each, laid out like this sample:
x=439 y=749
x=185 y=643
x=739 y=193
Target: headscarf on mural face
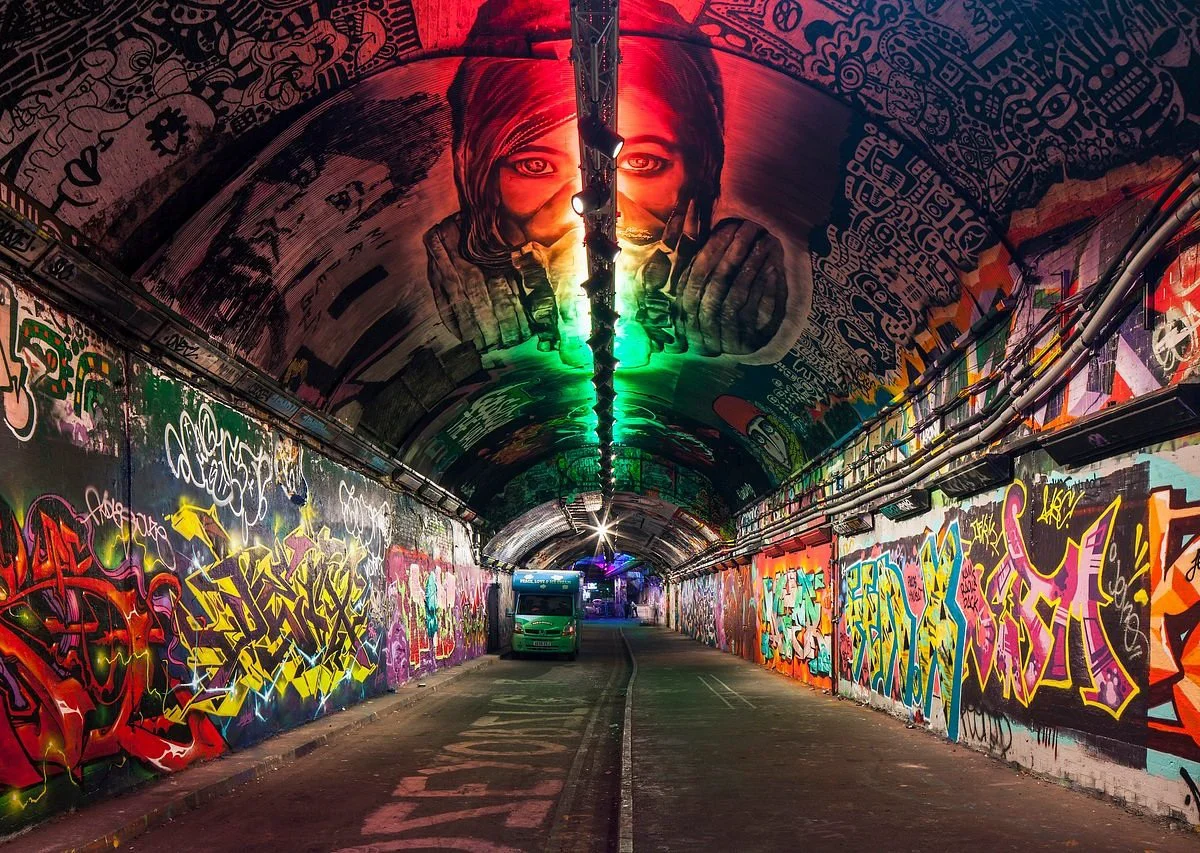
x=509 y=263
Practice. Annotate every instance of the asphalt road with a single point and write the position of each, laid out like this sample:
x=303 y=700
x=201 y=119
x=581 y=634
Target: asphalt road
x=524 y=755
x=729 y=756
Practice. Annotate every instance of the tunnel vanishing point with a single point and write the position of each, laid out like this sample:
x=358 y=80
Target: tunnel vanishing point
x=858 y=339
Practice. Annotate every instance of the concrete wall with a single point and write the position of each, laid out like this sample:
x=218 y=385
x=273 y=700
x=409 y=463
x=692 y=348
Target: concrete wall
x=178 y=580
x=1049 y=623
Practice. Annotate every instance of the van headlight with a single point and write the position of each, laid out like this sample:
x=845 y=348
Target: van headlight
x=518 y=629
x=569 y=630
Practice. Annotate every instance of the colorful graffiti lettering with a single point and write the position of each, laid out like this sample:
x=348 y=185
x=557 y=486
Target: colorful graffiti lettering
x=777 y=612
x=85 y=647
x=942 y=629
x=41 y=359
x=795 y=615
x=1174 y=566
x=260 y=619
x=20 y=413
x=440 y=617
x=881 y=627
x=917 y=615
x=1032 y=648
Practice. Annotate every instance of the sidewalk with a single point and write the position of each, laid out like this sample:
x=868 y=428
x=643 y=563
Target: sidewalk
x=112 y=822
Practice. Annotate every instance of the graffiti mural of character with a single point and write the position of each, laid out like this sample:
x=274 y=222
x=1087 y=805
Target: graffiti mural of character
x=775 y=445
x=431 y=606
x=507 y=266
x=237 y=284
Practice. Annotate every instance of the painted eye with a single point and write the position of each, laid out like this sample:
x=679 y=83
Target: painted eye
x=645 y=164
x=533 y=167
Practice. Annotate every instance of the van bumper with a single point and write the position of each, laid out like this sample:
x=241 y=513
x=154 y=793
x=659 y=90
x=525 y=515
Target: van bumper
x=549 y=645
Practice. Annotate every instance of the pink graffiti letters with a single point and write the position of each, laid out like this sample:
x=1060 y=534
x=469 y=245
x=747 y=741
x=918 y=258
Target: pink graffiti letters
x=1032 y=651
x=19 y=412
x=922 y=618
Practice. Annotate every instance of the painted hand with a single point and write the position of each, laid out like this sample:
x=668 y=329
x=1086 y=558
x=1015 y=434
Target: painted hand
x=478 y=307
x=732 y=296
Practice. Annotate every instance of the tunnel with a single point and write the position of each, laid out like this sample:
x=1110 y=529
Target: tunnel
x=835 y=362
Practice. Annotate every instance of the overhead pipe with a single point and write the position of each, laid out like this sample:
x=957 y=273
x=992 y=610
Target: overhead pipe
x=1078 y=342
x=1077 y=349
x=1169 y=221
x=1157 y=215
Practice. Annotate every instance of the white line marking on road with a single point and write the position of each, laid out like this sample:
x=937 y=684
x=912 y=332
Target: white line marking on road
x=714 y=691
x=731 y=690
x=626 y=813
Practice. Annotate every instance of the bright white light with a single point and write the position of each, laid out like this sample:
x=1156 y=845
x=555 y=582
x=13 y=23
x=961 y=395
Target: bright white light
x=602 y=530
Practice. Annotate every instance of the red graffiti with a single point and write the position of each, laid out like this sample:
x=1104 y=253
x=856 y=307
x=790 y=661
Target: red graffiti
x=83 y=654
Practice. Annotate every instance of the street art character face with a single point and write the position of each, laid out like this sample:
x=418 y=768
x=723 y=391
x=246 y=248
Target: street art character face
x=770 y=439
x=507 y=265
x=536 y=183
x=517 y=161
x=777 y=447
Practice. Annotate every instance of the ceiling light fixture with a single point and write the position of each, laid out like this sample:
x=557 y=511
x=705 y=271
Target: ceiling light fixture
x=589 y=200
x=604 y=248
x=599 y=136
x=600 y=283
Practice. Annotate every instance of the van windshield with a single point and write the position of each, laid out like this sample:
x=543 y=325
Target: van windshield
x=544 y=605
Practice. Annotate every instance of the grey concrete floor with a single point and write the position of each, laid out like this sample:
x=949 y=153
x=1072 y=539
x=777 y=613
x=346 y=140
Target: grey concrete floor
x=521 y=756
x=729 y=756
x=524 y=755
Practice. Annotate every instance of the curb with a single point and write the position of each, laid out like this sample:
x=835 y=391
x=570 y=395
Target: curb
x=190 y=800
x=625 y=818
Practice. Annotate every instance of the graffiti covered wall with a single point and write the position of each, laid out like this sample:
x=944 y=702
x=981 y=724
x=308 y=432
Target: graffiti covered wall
x=1051 y=623
x=776 y=612
x=697 y=613
x=1047 y=623
x=178 y=580
x=795 y=612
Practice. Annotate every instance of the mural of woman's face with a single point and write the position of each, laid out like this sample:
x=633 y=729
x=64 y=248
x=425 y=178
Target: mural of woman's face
x=651 y=167
x=536 y=182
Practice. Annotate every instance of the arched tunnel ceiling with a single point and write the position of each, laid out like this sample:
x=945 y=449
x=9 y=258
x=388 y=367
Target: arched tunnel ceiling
x=557 y=533
x=333 y=192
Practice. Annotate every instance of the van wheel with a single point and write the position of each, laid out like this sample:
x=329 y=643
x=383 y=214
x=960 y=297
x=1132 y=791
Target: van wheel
x=516 y=655
x=573 y=655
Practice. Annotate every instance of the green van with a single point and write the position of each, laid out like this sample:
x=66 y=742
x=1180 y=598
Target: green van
x=549 y=613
